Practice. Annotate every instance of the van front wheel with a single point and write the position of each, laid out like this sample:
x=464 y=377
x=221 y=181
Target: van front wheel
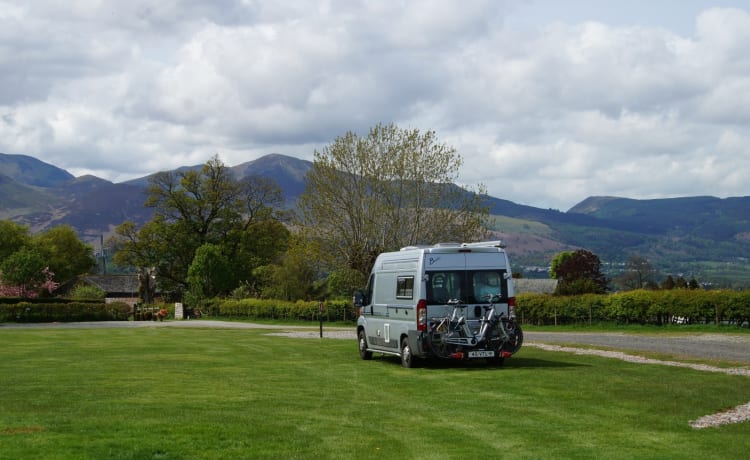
x=407 y=358
x=363 y=352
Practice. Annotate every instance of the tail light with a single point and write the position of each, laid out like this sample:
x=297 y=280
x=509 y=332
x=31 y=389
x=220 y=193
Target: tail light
x=512 y=307
x=422 y=315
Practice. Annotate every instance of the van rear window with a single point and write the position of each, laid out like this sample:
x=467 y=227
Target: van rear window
x=469 y=286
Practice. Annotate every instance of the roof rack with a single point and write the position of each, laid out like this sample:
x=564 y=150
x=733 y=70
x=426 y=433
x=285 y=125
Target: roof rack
x=484 y=244
x=481 y=244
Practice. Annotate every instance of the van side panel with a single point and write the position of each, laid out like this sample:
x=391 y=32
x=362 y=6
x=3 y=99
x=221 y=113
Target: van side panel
x=393 y=302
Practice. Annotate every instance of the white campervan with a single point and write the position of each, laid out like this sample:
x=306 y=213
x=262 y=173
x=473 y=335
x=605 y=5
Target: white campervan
x=450 y=300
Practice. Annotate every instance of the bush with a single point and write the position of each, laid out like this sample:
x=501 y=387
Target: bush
x=46 y=312
x=637 y=307
x=83 y=291
x=333 y=310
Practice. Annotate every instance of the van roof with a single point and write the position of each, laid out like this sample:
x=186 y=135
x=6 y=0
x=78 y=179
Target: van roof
x=482 y=244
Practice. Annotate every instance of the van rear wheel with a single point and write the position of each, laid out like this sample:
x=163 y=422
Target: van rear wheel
x=407 y=358
x=364 y=353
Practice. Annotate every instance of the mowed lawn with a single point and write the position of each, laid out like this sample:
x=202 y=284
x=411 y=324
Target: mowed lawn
x=171 y=393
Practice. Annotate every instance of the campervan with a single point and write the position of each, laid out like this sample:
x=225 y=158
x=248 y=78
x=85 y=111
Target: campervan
x=449 y=300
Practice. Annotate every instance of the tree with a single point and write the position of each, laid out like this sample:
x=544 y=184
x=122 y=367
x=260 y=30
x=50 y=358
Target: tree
x=25 y=269
x=294 y=277
x=639 y=273
x=209 y=274
x=390 y=189
x=668 y=284
x=65 y=254
x=578 y=272
x=13 y=237
x=197 y=207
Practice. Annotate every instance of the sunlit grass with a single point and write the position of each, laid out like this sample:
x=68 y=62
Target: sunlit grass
x=225 y=393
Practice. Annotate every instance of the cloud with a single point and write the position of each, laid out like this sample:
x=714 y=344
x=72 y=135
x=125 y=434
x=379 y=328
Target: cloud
x=543 y=115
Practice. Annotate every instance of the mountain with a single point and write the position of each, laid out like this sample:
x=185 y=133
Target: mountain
x=699 y=236
x=30 y=171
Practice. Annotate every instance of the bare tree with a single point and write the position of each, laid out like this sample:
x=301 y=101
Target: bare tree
x=393 y=188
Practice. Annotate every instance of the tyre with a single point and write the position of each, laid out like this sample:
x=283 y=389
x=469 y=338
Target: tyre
x=407 y=358
x=516 y=336
x=362 y=340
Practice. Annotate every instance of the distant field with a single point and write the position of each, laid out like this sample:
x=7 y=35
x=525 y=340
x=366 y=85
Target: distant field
x=172 y=393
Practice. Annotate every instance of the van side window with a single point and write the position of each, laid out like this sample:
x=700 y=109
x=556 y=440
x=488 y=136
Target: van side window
x=405 y=287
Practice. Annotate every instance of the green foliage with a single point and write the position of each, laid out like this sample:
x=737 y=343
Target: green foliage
x=64 y=254
x=336 y=310
x=209 y=275
x=69 y=311
x=13 y=237
x=677 y=306
x=557 y=262
x=86 y=291
x=578 y=272
x=206 y=206
x=24 y=268
x=343 y=282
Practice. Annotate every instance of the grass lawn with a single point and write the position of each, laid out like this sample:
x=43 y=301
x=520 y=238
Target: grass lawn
x=173 y=393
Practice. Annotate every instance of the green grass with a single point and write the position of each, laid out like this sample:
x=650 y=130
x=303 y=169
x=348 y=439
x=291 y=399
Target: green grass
x=171 y=393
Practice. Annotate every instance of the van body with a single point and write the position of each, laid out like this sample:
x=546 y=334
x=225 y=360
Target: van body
x=434 y=301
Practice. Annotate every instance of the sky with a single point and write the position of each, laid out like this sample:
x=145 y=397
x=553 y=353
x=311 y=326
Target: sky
x=547 y=102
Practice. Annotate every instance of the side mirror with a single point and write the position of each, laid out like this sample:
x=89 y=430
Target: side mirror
x=359 y=299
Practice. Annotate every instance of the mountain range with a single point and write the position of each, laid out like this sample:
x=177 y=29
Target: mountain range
x=702 y=236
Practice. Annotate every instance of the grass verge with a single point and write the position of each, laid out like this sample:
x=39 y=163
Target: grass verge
x=173 y=393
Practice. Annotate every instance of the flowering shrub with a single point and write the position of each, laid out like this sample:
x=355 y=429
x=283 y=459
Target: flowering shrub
x=31 y=289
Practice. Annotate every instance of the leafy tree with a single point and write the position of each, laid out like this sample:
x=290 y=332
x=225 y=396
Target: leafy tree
x=65 y=254
x=393 y=188
x=26 y=269
x=294 y=277
x=197 y=207
x=210 y=274
x=680 y=283
x=557 y=261
x=13 y=237
x=579 y=272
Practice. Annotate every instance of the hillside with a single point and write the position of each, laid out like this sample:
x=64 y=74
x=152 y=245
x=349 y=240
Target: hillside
x=706 y=237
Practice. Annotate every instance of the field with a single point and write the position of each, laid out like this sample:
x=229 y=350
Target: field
x=172 y=393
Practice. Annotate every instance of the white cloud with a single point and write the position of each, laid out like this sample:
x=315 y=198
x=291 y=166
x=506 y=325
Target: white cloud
x=545 y=113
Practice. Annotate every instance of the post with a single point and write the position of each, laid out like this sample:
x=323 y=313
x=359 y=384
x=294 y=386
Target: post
x=320 y=315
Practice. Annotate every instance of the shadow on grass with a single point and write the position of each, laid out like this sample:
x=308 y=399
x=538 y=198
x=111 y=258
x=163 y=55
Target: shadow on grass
x=480 y=364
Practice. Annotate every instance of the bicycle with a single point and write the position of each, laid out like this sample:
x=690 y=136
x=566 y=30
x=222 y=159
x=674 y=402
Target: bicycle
x=497 y=336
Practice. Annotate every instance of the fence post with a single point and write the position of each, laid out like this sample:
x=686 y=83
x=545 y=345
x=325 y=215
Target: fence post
x=320 y=315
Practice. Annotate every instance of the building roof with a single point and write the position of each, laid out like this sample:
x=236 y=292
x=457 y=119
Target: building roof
x=124 y=285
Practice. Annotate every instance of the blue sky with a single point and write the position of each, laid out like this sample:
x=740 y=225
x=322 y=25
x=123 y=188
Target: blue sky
x=547 y=101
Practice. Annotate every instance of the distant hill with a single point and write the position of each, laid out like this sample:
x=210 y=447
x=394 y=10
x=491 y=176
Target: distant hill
x=30 y=171
x=701 y=236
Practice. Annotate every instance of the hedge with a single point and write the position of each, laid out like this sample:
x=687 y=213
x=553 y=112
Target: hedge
x=333 y=310
x=637 y=307
x=69 y=311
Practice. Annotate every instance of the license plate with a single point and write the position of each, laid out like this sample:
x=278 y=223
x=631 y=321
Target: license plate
x=482 y=354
